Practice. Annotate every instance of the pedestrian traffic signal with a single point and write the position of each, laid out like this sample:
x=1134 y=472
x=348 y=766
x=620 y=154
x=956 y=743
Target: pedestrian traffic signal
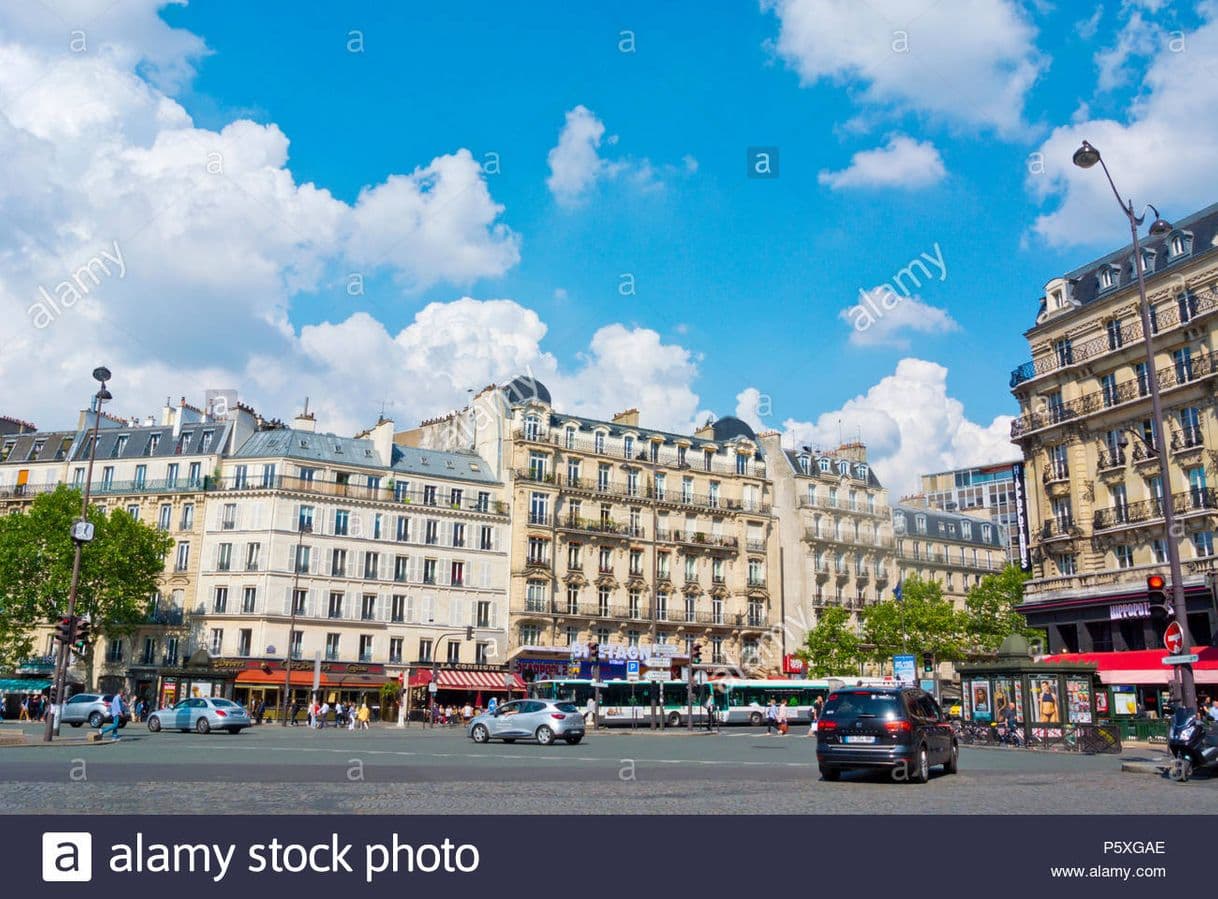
x=695 y=654
x=594 y=652
x=65 y=632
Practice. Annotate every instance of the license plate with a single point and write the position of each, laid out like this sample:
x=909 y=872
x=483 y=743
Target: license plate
x=858 y=739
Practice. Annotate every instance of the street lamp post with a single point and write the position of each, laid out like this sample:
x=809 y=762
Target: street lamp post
x=1085 y=157
x=80 y=535
x=303 y=528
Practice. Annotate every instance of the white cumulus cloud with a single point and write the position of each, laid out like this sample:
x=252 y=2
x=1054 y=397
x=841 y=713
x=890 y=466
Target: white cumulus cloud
x=911 y=426
x=902 y=163
x=872 y=324
x=913 y=55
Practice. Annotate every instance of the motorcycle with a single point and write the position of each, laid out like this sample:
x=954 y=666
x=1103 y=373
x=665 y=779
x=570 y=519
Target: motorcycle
x=1193 y=743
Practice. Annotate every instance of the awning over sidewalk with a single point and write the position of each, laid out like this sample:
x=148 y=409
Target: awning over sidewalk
x=22 y=685
x=471 y=681
x=304 y=679
x=1142 y=666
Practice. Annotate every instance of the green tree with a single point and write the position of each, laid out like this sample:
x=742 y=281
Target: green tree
x=120 y=569
x=921 y=621
x=832 y=647
x=990 y=610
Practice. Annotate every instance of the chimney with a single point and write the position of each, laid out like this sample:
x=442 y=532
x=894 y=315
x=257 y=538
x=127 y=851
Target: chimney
x=628 y=417
x=854 y=451
x=305 y=421
x=382 y=440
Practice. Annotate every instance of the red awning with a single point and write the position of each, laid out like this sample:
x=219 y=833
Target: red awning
x=304 y=678
x=487 y=681
x=1142 y=666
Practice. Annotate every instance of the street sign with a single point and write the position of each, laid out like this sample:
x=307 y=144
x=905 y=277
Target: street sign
x=632 y=670
x=82 y=531
x=1181 y=660
x=657 y=676
x=432 y=687
x=1173 y=638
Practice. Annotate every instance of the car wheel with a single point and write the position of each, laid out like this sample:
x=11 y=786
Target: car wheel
x=544 y=735
x=154 y=725
x=74 y=723
x=952 y=765
x=480 y=734
x=921 y=772
x=95 y=719
x=755 y=719
x=575 y=739
x=830 y=773
x=674 y=719
x=202 y=726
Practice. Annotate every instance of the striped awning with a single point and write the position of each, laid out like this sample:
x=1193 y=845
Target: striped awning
x=473 y=681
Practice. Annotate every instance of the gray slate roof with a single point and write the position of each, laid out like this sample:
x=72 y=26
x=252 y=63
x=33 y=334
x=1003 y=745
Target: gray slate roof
x=934 y=517
x=55 y=446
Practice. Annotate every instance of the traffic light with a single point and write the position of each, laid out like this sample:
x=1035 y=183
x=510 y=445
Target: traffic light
x=594 y=652
x=695 y=654
x=82 y=637
x=1156 y=593
x=469 y=632
x=928 y=663
x=65 y=631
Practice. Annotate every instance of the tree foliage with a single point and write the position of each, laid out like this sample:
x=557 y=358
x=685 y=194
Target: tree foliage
x=921 y=621
x=832 y=647
x=990 y=607
x=120 y=569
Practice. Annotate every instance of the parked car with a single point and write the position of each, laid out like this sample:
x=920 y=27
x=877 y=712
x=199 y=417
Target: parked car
x=901 y=729
x=543 y=720
x=201 y=716
x=92 y=709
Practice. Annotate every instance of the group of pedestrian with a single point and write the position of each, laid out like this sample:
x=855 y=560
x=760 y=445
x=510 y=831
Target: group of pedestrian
x=346 y=714
x=33 y=707
x=776 y=719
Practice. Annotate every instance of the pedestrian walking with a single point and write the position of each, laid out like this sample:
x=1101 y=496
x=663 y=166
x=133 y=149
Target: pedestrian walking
x=364 y=715
x=295 y=713
x=771 y=717
x=116 y=716
x=325 y=711
x=783 y=726
x=25 y=710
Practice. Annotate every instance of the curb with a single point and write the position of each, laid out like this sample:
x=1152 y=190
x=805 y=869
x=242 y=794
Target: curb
x=1154 y=767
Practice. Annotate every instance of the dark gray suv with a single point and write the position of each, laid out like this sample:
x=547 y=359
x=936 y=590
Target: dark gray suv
x=901 y=729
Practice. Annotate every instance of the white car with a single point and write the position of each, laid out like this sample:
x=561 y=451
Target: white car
x=202 y=716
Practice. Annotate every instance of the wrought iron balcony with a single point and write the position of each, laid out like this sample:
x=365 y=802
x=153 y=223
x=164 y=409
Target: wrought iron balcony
x=1059 y=528
x=1200 y=499
x=1167 y=316
x=1202 y=365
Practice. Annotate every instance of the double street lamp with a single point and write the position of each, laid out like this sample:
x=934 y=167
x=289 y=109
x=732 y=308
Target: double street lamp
x=1085 y=157
x=82 y=533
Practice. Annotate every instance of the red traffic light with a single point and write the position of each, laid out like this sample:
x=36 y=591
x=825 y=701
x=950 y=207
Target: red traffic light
x=1156 y=582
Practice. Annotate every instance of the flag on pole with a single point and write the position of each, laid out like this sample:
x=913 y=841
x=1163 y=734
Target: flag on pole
x=898 y=592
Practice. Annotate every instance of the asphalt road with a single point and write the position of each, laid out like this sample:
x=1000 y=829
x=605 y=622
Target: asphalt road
x=269 y=770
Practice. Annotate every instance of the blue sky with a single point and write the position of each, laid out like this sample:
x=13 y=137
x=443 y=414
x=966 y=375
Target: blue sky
x=738 y=282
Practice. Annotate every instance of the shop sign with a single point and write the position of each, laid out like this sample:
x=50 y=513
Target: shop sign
x=1021 y=517
x=620 y=652
x=1122 y=610
x=793 y=665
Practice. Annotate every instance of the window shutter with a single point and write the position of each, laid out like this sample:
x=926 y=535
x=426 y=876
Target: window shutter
x=470 y=608
x=314 y=561
x=429 y=609
x=383 y=566
x=442 y=576
x=410 y=609
x=287 y=602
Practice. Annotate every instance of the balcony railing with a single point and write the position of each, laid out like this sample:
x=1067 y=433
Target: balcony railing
x=384 y=493
x=614 y=449
x=1167 y=317
x=1199 y=499
x=592 y=526
x=1201 y=366
x=879 y=510
x=1054 y=528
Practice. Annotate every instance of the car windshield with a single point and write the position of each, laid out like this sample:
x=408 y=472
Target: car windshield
x=567 y=707
x=858 y=703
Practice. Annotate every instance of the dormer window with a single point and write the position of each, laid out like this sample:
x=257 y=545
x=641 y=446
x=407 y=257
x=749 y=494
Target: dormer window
x=898 y=521
x=628 y=446
x=569 y=442
x=1108 y=277
x=532 y=427
x=1180 y=243
x=805 y=464
x=599 y=440
x=843 y=467
x=860 y=472
x=1148 y=263
x=825 y=465
x=920 y=523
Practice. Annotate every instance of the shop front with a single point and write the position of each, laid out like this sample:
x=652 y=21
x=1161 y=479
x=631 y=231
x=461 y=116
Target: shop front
x=200 y=677
x=1137 y=685
x=457 y=685
x=261 y=681
x=548 y=662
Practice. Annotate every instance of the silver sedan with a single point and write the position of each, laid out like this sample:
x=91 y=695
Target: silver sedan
x=543 y=720
x=202 y=716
